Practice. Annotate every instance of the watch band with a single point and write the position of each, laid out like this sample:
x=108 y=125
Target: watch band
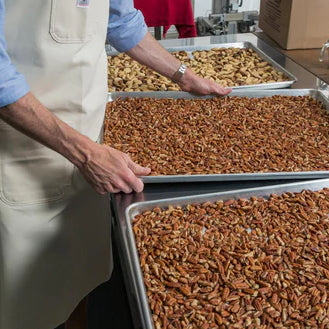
x=179 y=73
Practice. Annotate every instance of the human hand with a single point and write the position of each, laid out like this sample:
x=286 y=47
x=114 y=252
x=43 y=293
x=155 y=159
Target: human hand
x=195 y=84
x=110 y=170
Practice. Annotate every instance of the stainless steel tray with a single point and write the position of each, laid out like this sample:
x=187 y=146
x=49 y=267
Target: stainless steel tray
x=231 y=177
x=272 y=85
x=130 y=250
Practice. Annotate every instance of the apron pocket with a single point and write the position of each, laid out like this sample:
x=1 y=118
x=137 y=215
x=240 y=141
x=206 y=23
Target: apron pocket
x=30 y=172
x=70 y=23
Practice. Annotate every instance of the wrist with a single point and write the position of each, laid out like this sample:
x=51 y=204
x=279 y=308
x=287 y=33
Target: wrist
x=79 y=150
x=186 y=82
x=179 y=74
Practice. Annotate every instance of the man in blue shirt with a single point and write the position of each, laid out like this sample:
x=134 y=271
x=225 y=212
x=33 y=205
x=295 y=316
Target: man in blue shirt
x=127 y=32
x=54 y=228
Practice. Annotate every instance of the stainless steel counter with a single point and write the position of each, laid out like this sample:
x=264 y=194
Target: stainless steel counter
x=161 y=191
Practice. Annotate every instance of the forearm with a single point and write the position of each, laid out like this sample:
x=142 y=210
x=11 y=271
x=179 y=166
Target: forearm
x=30 y=117
x=150 y=53
x=106 y=169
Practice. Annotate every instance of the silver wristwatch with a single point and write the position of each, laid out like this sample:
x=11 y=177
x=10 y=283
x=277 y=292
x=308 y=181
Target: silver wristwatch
x=179 y=73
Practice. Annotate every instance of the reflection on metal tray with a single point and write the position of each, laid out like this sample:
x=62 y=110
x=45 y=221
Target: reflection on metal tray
x=231 y=177
x=272 y=85
x=135 y=272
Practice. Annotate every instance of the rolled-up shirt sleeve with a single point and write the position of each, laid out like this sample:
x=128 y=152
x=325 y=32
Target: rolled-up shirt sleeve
x=126 y=27
x=12 y=84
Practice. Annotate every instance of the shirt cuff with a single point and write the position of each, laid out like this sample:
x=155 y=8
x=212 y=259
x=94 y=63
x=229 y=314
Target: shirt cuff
x=13 y=89
x=125 y=33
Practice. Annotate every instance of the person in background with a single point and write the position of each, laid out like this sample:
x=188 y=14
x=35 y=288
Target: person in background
x=54 y=174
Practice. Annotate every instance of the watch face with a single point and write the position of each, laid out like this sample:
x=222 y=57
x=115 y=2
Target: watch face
x=182 y=68
x=179 y=73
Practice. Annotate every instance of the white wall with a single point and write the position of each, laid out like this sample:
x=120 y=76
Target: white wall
x=203 y=7
x=249 y=5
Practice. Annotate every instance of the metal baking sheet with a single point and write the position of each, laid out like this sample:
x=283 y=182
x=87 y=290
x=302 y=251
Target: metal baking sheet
x=272 y=85
x=239 y=176
x=135 y=272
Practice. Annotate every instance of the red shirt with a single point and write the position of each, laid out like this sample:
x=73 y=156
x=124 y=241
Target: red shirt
x=169 y=12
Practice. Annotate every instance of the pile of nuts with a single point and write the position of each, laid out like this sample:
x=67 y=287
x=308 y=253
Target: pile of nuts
x=234 y=67
x=239 y=263
x=221 y=135
x=227 y=66
x=125 y=74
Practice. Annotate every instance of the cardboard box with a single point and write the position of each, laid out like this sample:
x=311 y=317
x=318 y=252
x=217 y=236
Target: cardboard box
x=295 y=24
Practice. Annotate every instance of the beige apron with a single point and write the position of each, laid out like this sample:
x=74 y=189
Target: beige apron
x=54 y=230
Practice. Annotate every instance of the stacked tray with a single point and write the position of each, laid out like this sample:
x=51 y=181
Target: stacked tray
x=135 y=274
x=125 y=229
x=290 y=78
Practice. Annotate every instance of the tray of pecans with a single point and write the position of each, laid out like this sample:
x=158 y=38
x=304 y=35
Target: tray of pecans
x=250 y=135
x=239 y=65
x=253 y=258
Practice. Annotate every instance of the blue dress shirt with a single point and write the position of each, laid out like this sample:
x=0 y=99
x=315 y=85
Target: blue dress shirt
x=12 y=84
x=126 y=29
x=126 y=26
